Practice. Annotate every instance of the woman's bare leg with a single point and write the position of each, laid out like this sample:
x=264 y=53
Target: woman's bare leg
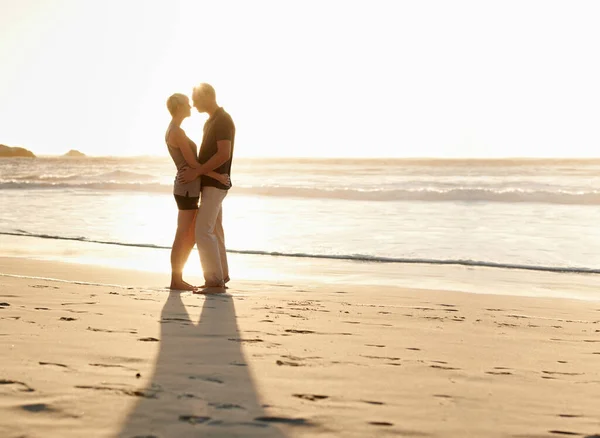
x=182 y=247
x=189 y=244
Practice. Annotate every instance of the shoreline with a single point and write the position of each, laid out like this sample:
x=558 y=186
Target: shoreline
x=351 y=258
x=261 y=269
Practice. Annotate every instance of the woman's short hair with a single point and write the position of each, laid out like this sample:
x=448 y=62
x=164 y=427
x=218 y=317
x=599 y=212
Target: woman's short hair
x=174 y=101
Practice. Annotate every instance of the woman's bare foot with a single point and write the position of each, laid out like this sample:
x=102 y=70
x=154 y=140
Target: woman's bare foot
x=190 y=285
x=182 y=285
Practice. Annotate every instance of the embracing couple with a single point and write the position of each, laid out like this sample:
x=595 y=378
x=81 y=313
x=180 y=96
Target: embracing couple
x=201 y=184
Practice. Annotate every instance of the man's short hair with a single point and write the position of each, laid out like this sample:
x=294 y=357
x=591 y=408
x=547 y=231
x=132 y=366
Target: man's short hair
x=205 y=89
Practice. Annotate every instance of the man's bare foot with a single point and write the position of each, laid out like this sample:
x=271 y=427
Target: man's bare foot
x=176 y=285
x=211 y=290
x=221 y=285
x=205 y=286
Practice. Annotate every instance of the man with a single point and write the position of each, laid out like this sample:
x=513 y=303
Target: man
x=215 y=154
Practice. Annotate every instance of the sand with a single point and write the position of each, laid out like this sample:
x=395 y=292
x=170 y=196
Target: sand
x=99 y=352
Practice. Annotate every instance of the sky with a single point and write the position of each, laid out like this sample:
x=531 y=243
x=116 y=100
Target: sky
x=306 y=78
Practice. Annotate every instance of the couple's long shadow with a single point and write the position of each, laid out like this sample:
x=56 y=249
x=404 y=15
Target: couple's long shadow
x=201 y=384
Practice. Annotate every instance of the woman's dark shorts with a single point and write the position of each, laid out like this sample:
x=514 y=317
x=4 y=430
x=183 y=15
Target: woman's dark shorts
x=187 y=202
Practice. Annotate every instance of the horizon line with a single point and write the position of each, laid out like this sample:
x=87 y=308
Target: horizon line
x=302 y=157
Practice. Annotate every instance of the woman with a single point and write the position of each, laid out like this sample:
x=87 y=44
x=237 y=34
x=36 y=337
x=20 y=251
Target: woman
x=184 y=152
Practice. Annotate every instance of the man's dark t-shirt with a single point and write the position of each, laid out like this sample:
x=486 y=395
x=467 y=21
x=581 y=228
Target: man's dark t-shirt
x=219 y=126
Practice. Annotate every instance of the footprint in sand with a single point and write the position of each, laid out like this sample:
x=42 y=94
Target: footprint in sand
x=149 y=339
x=211 y=379
x=244 y=340
x=284 y=420
x=302 y=332
x=135 y=393
x=38 y=407
x=310 y=397
x=175 y=320
x=2 y=305
x=436 y=318
x=292 y=357
x=67 y=318
x=41 y=308
x=224 y=423
x=378 y=403
x=289 y=363
x=92 y=329
x=42 y=286
x=380 y=357
x=562 y=374
x=187 y=396
x=54 y=364
x=380 y=423
x=441 y=367
x=193 y=419
x=103 y=365
x=226 y=406
x=24 y=386
x=375 y=345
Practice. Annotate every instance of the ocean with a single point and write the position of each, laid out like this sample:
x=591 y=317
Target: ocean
x=539 y=214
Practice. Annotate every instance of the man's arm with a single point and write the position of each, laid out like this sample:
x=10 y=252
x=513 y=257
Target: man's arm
x=223 y=154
